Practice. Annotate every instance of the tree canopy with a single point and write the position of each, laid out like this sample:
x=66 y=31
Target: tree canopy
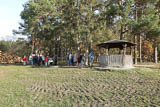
x=62 y=26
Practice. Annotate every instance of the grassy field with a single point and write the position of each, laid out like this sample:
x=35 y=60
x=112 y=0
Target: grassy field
x=72 y=87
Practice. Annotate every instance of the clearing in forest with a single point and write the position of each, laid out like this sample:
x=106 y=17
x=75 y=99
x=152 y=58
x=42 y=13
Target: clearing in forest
x=42 y=87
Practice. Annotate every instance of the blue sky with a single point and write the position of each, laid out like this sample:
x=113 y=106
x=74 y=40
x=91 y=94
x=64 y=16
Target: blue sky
x=10 y=16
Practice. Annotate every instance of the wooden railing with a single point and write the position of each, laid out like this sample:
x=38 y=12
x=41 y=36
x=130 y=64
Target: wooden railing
x=116 y=60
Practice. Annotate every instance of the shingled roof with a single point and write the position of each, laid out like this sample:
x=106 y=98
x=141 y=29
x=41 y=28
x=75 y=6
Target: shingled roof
x=116 y=44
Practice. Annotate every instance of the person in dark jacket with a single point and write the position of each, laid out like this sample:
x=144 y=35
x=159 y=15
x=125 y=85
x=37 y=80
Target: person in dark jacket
x=72 y=59
x=55 y=60
x=35 y=60
x=81 y=59
x=40 y=60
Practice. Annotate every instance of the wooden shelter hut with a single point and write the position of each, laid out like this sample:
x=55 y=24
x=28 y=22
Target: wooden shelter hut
x=120 y=60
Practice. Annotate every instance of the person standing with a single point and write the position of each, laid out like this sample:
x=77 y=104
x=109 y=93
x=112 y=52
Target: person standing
x=91 y=58
x=78 y=60
x=55 y=60
x=24 y=60
x=40 y=60
x=81 y=59
x=43 y=60
x=46 y=61
x=36 y=60
x=30 y=60
x=72 y=60
x=69 y=59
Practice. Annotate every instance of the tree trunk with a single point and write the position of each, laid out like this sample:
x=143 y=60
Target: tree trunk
x=56 y=48
x=122 y=33
x=140 y=48
x=122 y=27
x=78 y=42
x=86 y=56
x=70 y=43
x=33 y=47
x=135 y=50
x=155 y=54
x=121 y=37
x=135 y=41
x=120 y=2
x=87 y=51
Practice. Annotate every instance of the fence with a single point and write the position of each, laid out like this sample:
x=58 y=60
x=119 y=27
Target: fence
x=116 y=60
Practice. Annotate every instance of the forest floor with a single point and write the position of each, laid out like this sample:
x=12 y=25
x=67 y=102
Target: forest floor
x=24 y=86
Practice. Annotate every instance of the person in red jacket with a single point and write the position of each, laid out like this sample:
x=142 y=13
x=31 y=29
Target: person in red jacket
x=24 y=60
x=46 y=61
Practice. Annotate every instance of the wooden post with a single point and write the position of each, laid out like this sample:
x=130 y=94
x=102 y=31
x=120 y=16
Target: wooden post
x=131 y=51
x=99 y=51
x=99 y=54
x=107 y=50
x=125 y=48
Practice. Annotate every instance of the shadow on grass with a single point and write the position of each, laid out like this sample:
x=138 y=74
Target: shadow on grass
x=21 y=65
x=112 y=69
x=73 y=67
x=16 y=64
x=59 y=66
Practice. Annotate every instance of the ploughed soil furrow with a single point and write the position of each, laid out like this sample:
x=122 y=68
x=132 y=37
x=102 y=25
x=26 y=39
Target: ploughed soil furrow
x=43 y=87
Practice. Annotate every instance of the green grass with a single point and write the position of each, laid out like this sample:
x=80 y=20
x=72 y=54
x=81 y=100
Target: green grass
x=24 y=86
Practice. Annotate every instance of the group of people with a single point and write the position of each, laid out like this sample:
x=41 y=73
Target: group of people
x=39 y=60
x=78 y=59
x=75 y=59
x=72 y=59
